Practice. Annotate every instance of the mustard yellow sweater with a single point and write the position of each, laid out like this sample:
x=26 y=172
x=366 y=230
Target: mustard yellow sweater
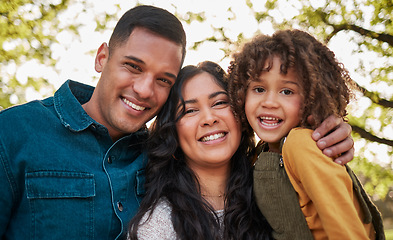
x=325 y=190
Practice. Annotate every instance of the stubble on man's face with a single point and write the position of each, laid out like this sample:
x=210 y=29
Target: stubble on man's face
x=135 y=81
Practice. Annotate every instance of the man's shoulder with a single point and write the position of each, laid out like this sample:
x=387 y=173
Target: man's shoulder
x=29 y=109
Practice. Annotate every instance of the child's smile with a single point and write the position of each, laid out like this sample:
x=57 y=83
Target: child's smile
x=270 y=121
x=273 y=103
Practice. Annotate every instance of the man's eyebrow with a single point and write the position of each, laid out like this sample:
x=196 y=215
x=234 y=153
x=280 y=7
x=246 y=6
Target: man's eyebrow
x=171 y=75
x=135 y=59
x=168 y=74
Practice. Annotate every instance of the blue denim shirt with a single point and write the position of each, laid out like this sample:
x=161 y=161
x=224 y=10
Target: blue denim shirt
x=61 y=175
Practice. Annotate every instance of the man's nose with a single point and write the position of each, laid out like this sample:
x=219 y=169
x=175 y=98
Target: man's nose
x=144 y=86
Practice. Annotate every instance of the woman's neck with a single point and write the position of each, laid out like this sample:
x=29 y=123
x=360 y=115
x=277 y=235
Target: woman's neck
x=213 y=184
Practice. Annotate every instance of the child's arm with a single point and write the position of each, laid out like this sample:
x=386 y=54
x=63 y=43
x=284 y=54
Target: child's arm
x=324 y=189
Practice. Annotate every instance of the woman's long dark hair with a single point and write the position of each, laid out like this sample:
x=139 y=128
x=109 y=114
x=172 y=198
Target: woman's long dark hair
x=168 y=176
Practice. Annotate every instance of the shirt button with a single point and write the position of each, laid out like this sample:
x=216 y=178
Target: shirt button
x=110 y=159
x=120 y=206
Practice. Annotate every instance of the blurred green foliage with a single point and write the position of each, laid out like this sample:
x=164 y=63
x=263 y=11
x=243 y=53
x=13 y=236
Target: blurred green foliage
x=29 y=28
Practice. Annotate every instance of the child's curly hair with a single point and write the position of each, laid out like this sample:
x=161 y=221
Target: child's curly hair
x=326 y=86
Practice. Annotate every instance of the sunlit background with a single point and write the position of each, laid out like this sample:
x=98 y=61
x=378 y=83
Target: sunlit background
x=74 y=53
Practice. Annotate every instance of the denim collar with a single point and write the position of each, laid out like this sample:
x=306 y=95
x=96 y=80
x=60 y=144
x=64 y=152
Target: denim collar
x=68 y=100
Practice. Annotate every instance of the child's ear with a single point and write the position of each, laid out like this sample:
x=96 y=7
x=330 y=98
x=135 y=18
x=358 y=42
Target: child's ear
x=311 y=120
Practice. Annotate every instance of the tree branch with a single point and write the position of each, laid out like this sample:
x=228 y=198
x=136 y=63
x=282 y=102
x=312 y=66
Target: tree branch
x=374 y=97
x=367 y=135
x=383 y=37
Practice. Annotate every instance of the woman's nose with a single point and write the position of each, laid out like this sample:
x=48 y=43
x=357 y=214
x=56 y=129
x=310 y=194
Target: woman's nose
x=208 y=118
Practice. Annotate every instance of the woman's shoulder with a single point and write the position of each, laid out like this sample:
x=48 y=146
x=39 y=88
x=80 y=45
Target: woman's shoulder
x=163 y=205
x=157 y=223
x=162 y=210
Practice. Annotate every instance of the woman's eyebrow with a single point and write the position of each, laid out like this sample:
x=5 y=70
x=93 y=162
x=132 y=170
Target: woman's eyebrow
x=215 y=94
x=190 y=101
x=212 y=95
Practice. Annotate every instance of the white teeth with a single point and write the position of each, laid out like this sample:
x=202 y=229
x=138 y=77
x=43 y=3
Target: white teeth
x=134 y=106
x=270 y=118
x=213 y=137
x=270 y=124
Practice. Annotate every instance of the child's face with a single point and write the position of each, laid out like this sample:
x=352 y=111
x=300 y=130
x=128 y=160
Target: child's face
x=273 y=104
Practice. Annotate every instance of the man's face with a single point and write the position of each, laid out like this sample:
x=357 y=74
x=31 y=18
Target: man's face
x=135 y=81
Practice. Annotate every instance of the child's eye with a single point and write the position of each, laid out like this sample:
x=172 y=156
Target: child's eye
x=259 y=89
x=287 y=92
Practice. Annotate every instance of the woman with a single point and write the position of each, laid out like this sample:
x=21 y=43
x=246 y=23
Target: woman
x=198 y=179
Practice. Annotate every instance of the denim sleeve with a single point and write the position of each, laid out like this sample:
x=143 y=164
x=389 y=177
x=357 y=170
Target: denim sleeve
x=7 y=190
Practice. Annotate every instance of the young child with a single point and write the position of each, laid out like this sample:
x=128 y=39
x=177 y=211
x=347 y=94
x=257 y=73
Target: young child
x=277 y=82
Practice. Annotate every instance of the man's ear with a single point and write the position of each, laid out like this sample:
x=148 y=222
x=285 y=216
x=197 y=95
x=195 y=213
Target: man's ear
x=101 y=57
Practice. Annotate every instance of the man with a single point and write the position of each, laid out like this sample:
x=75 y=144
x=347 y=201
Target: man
x=71 y=166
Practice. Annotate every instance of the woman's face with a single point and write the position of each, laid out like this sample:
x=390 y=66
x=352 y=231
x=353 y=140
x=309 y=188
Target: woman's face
x=208 y=133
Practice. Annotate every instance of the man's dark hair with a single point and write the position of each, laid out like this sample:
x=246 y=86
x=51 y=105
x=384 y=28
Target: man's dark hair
x=154 y=19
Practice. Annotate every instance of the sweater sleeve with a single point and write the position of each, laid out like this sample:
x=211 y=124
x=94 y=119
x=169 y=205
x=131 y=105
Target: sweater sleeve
x=159 y=225
x=324 y=188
